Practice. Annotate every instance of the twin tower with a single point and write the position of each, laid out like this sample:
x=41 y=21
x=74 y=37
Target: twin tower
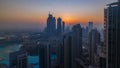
x=54 y=28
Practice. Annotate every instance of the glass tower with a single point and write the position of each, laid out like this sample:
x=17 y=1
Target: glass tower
x=112 y=23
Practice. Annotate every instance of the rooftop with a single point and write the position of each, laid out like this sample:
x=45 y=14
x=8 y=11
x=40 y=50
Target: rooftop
x=115 y=3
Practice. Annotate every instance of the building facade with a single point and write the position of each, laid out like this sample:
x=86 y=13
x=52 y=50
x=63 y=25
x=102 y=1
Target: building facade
x=18 y=59
x=112 y=23
x=59 y=26
x=72 y=47
x=94 y=41
x=44 y=56
x=51 y=25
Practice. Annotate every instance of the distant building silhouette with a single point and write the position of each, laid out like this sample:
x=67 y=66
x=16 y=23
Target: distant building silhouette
x=90 y=26
x=18 y=59
x=51 y=25
x=52 y=29
x=59 y=26
x=112 y=23
x=63 y=27
x=84 y=35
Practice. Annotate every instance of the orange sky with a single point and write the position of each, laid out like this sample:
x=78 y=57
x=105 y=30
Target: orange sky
x=73 y=11
x=69 y=18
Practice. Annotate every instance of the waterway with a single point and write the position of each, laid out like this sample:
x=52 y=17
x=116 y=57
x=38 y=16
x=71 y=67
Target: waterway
x=6 y=49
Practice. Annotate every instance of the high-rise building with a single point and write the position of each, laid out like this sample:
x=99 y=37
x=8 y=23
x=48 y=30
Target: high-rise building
x=52 y=29
x=59 y=27
x=63 y=27
x=44 y=56
x=51 y=25
x=84 y=35
x=67 y=51
x=112 y=23
x=18 y=59
x=94 y=41
x=77 y=39
x=90 y=26
x=57 y=50
x=72 y=46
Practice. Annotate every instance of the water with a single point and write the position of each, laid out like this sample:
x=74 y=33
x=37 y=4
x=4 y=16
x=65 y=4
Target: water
x=33 y=60
x=5 y=49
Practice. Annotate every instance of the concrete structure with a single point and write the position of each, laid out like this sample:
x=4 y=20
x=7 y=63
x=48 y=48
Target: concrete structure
x=112 y=23
x=45 y=56
x=67 y=51
x=18 y=59
x=90 y=26
x=72 y=47
x=94 y=41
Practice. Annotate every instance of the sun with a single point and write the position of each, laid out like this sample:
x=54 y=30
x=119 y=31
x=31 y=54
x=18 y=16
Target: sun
x=67 y=19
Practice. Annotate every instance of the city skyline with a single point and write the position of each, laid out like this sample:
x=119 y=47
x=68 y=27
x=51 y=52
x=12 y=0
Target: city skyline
x=35 y=12
x=59 y=34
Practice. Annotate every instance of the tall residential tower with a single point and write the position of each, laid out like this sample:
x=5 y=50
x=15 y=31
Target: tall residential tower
x=112 y=23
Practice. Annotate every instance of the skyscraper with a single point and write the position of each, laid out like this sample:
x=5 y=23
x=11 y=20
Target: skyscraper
x=59 y=27
x=44 y=56
x=90 y=26
x=72 y=46
x=51 y=25
x=54 y=25
x=18 y=59
x=77 y=39
x=94 y=41
x=112 y=23
x=63 y=27
x=67 y=51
